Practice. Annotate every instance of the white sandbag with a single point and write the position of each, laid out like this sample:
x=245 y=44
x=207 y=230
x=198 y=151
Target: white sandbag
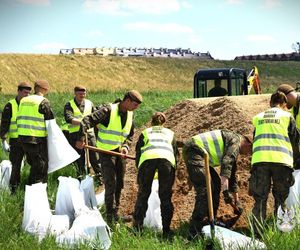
x=233 y=240
x=5 y=173
x=153 y=214
x=58 y=224
x=37 y=213
x=69 y=198
x=89 y=228
x=294 y=194
x=60 y=152
x=87 y=187
x=100 y=198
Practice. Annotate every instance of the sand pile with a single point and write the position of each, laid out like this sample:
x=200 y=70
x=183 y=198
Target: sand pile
x=187 y=119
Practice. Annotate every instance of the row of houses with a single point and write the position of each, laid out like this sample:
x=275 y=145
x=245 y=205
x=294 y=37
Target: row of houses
x=272 y=57
x=144 y=52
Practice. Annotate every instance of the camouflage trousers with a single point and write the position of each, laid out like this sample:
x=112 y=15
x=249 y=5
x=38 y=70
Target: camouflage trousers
x=263 y=176
x=166 y=177
x=15 y=156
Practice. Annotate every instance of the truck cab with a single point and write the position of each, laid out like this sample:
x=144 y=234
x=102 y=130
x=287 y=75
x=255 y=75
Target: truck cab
x=220 y=82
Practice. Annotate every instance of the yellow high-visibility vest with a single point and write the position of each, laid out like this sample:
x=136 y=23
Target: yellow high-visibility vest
x=77 y=114
x=29 y=121
x=113 y=136
x=13 y=129
x=157 y=144
x=271 y=141
x=213 y=143
x=297 y=118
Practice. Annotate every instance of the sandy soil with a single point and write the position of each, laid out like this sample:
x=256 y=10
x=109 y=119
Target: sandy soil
x=187 y=119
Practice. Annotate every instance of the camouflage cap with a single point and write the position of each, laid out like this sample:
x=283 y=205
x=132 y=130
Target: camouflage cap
x=25 y=85
x=158 y=118
x=79 y=88
x=134 y=95
x=42 y=84
x=285 y=88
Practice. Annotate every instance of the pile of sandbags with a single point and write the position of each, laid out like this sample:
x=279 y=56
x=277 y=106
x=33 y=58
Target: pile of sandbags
x=75 y=205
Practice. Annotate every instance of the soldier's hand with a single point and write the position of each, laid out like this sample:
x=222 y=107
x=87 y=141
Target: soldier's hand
x=228 y=197
x=5 y=146
x=79 y=144
x=124 y=151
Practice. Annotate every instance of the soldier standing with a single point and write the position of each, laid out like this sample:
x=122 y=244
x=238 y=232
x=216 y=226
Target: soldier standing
x=9 y=132
x=34 y=110
x=115 y=131
x=276 y=145
x=75 y=110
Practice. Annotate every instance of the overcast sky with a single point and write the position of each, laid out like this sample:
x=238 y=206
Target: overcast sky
x=225 y=28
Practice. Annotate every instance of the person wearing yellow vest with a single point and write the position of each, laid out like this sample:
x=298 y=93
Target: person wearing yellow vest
x=9 y=132
x=115 y=132
x=156 y=150
x=275 y=146
x=34 y=110
x=75 y=110
x=293 y=104
x=223 y=147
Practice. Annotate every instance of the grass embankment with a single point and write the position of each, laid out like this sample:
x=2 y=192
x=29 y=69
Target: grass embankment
x=117 y=73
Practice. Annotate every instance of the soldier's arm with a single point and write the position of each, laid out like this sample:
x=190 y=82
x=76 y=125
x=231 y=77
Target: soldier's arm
x=138 y=146
x=46 y=110
x=231 y=152
x=68 y=113
x=294 y=136
x=127 y=143
x=102 y=115
x=5 y=120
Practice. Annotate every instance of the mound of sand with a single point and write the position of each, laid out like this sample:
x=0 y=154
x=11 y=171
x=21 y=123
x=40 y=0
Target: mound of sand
x=187 y=119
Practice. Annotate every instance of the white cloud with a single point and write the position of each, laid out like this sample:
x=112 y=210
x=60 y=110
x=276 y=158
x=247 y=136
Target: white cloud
x=159 y=27
x=127 y=7
x=260 y=38
x=49 y=47
x=233 y=2
x=270 y=4
x=34 y=2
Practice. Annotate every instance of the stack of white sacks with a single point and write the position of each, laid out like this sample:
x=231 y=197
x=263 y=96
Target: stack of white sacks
x=76 y=220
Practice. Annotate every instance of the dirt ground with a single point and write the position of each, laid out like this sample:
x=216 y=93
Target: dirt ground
x=187 y=119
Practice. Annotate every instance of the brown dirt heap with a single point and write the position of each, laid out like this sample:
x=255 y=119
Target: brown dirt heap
x=186 y=119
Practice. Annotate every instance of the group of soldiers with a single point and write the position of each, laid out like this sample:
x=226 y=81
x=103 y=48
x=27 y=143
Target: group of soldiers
x=110 y=127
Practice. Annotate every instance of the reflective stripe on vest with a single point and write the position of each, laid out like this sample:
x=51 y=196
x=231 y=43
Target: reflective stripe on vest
x=157 y=144
x=271 y=141
x=213 y=143
x=78 y=115
x=13 y=129
x=113 y=136
x=29 y=121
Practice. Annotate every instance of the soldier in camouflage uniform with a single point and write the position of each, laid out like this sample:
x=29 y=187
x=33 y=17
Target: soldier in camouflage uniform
x=275 y=152
x=115 y=131
x=223 y=147
x=9 y=131
x=156 y=150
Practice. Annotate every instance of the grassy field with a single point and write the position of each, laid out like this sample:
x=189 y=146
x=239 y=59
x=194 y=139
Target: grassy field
x=117 y=73
x=163 y=82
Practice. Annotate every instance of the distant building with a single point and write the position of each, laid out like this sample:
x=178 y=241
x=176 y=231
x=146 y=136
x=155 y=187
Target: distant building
x=272 y=57
x=138 y=52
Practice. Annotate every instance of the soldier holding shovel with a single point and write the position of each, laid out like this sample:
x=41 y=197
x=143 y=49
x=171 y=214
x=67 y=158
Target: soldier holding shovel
x=223 y=148
x=115 y=132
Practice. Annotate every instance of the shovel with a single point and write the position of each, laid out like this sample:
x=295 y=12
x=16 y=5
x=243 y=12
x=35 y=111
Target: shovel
x=209 y=195
x=109 y=152
x=87 y=157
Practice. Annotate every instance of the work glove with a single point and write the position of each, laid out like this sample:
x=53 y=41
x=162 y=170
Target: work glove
x=5 y=146
x=228 y=198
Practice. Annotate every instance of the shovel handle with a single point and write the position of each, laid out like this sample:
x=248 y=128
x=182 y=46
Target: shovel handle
x=131 y=157
x=209 y=193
